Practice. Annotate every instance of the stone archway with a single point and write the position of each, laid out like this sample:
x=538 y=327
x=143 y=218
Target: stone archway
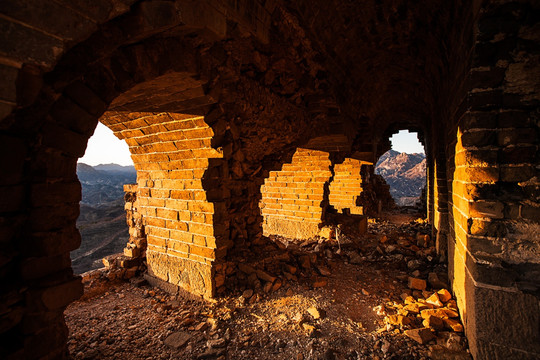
x=471 y=87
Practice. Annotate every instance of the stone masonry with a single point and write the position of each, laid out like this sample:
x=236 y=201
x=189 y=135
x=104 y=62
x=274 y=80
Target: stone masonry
x=136 y=246
x=292 y=198
x=221 y=104
x=346 y=186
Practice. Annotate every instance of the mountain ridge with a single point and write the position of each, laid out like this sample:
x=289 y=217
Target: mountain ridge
x=405 y=173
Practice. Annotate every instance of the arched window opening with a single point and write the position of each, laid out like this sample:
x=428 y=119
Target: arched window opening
x=404 y=168
x=103 y=171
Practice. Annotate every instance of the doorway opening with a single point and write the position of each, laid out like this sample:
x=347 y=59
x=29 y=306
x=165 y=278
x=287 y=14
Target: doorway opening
x=103 y=171
x=404 y=168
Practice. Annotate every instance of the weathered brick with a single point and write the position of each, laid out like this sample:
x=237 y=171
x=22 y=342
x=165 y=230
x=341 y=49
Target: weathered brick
x=58 y=296
x=517 y=173
x=85 y=98
x=65 y=140
x=485 y=208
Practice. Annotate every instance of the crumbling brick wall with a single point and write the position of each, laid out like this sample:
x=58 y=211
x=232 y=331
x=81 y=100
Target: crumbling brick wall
x=272 y=91
x=292 y=198
x=346 y=186
x=136 y=246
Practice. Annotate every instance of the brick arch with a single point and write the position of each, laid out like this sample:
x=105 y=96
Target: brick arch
x=51 y=130
x=162 y=120
x=475 y=77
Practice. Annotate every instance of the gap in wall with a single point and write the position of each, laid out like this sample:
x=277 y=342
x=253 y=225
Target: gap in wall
x=103 y=170
x=404 y=169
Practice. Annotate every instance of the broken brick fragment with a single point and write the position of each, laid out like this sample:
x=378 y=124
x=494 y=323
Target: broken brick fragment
x=416 y=283
x=422 y=335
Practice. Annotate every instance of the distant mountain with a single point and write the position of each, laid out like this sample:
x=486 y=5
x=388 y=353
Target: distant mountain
x=405 y=173
x=102 y=219
x=104 y=183
x=115 y=168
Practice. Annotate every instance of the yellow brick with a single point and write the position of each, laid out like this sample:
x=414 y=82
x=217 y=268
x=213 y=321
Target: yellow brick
x=151 y=221
x=199 y=206
x=181 y=194
x=156 y=241
x=182 y=236
x=201 y=229
x=202 y=252
x=177 y=225
x=167 y=214
x=179 y=246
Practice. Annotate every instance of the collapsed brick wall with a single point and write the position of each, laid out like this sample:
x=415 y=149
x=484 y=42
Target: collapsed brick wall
x=346 y=186
x=292 y=198
x=136 y=246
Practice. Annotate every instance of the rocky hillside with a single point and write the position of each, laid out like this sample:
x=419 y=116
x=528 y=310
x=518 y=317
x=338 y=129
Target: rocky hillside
x=405 y=173
x=102 y=220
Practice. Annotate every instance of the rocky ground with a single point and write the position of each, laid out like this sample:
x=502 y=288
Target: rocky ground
x=369 y=300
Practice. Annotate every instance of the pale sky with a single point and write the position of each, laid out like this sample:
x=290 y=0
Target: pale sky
x=407 y=142
x=105 y=148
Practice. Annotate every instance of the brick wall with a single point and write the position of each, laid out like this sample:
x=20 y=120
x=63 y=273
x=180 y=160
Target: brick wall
x=136 y=246
x=346 y=186
x=494 y=206
x=292 y=198
x=172 y=152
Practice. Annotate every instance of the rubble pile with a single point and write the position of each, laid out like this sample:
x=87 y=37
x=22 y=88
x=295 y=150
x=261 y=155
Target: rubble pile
x=274 y=263
x=117 y=268
x=341 y=296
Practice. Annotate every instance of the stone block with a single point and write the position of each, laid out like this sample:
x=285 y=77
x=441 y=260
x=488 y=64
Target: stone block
x=415 y=283
x=58 y=296
x=86 y=98
x=55 y=193
x=69 y=142
x=54 y=242
x=50 y=218
x=38 y=267
x=13 y=150
x=517 y=173
x=132 y=252
x=26 y=45
x=48 y=340
x=479 y=138
x=98 y=10
x=8 y=78
x=485 y=208
x=422 y=335
x=487 y=316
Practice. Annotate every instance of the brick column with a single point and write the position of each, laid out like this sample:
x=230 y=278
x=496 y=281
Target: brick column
x=494 y=253
x=430 y=179
x=440 y=198
x=174 y=157
x=292 y=198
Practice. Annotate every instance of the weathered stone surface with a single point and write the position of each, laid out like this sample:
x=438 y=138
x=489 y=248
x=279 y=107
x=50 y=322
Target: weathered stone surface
x=415 y=283
x=316 y=313
x=177 y=339
x=322 y=76
x=58 y=296
x=422 y=335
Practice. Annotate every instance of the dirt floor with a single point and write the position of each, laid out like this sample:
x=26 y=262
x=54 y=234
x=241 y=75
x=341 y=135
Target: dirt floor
x=338 y=306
